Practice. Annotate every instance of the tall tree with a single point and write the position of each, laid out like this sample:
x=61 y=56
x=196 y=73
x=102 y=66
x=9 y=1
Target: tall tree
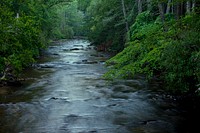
x=139 y=6
x=168 y=6
x=161 y=11
x=125 y=16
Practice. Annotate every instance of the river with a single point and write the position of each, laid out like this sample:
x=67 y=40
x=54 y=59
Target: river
x=66 y=93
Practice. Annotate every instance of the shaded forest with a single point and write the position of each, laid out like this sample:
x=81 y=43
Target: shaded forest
x=157 y=38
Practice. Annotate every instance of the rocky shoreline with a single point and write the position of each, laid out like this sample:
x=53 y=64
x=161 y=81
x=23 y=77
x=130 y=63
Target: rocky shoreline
x=10 y=80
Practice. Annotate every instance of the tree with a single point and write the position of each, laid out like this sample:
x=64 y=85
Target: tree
x=125 y=16
x=22 y=37
x=139 y=6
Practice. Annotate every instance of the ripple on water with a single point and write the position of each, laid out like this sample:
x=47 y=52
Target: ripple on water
x=71 y=97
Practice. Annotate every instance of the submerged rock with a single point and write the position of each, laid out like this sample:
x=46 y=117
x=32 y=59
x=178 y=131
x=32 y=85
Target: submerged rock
x=10 y=80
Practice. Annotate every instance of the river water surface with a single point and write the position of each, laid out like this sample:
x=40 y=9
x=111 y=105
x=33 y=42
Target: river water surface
x=66 y=94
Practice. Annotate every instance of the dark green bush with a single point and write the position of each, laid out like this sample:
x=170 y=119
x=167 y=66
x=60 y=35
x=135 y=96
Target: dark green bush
x=172 y=55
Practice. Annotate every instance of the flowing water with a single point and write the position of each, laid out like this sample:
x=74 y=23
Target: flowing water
x=65 y=93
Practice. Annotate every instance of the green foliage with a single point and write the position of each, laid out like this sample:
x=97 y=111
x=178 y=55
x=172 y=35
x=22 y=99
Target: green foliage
x=26 y=27
x=70 y=21
x=172 y=55
x=20 y=38
x=21 y=60
x=21 y=43
x=106 y=23
x=122 y=62
x=83 y=4
x=181 y=56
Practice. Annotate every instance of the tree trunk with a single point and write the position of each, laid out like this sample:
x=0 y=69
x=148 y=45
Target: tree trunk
x=125 y=17
x=178 y=10
x=149 y=5
x=188 y=7
x=172 y=7
x=168 y=6
x=182 y=9
x=17 y=16
x=193 y=5
x=139 y=6
x=161 y=11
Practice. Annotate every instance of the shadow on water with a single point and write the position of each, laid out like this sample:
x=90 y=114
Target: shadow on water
x=66 y=94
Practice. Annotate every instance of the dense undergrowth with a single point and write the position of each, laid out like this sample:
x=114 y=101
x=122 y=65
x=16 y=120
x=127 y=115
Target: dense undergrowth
x=170 y=51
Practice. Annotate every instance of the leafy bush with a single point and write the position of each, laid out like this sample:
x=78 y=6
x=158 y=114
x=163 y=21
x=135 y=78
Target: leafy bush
x=19 y=40
x=173 y=55
x=181 y=58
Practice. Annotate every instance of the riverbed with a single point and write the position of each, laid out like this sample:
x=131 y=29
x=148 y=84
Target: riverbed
x=65 y=93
